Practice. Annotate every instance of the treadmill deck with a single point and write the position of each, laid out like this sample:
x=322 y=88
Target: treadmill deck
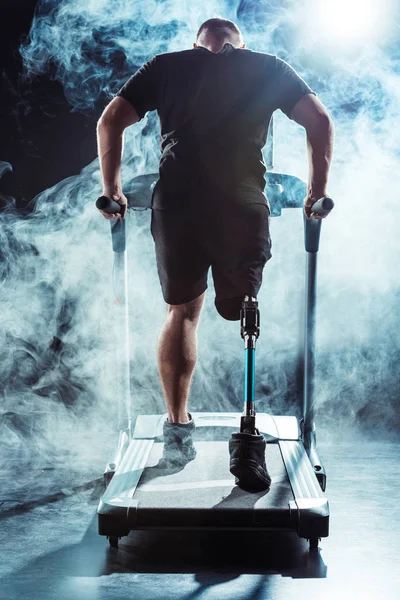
x=205 y=489
x=206 y=483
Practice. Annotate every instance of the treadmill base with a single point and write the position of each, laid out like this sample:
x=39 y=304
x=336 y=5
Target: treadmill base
x=203 y=495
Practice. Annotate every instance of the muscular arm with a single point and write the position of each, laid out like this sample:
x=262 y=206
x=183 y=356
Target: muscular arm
x=117 y=116
x=313 y=116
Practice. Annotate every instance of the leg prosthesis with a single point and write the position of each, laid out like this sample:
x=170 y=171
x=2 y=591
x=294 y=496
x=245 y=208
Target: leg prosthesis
x=247 y=448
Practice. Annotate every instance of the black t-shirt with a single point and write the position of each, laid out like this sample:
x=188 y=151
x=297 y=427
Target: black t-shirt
x=214 y=111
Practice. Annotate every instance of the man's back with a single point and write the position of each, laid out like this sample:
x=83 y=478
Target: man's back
x=215 y=109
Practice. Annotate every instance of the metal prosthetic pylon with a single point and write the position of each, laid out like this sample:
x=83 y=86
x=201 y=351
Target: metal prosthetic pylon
x=250 y=331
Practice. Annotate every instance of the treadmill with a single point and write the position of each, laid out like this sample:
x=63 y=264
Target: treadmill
x=203 y=495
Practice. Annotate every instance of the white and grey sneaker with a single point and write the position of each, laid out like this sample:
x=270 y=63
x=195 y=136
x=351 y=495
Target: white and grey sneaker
x=178 y=443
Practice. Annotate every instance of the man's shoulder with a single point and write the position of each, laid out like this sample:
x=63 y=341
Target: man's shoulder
x=171 y=56
x=262 y=59
x=257 y=54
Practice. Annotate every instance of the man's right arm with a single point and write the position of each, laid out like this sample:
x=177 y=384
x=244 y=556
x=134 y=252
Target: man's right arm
x=313 y=116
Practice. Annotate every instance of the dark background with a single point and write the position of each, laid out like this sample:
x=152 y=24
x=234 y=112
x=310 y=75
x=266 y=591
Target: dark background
x=39 y=132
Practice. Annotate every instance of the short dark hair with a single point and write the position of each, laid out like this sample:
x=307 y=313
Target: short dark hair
x=218 y=28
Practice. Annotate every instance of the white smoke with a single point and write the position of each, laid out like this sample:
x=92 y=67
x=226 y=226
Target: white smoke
x=57 y=336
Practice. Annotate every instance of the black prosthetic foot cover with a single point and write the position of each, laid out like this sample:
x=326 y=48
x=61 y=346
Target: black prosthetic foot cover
x=247 y=461
x=178 y=443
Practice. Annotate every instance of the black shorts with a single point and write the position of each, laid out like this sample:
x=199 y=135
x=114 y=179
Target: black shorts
x=232 y=239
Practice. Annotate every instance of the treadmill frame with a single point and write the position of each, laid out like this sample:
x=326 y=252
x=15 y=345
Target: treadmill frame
x=309 y=511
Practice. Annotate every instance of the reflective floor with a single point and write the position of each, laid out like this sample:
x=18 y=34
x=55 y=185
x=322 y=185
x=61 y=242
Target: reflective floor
x=50 y=547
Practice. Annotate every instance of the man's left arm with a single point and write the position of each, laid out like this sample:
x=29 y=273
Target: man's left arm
x=117 y=116
x=311 y=114
x=297 y=100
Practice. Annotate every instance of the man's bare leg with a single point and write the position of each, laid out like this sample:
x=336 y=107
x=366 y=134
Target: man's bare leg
x=177 y=354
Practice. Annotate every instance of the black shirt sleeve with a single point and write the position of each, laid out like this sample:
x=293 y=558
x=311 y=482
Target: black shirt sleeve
x=141 y=90
x=290 y=87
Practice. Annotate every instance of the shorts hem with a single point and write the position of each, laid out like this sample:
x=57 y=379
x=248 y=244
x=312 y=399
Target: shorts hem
x=186 y=299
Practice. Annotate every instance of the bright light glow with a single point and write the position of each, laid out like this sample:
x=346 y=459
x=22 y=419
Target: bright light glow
x=350 y=19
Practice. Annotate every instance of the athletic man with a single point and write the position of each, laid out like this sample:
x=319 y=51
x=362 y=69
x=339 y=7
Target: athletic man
x=214 y=102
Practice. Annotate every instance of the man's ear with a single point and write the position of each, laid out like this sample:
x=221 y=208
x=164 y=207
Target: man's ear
x=243 y=46
x=195 y=45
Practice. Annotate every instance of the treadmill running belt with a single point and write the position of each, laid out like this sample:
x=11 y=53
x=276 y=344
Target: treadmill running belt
x=204 y=493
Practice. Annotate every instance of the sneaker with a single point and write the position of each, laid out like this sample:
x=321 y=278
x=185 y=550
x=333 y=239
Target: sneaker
x=178 y=443
x=247 y=461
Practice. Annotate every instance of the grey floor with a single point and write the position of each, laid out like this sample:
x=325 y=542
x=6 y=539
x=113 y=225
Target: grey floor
x=50 y=547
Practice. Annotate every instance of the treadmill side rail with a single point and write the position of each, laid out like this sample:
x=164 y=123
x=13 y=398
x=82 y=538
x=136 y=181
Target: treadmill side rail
x=312 y=517
x=114 y=505
x=310 y=507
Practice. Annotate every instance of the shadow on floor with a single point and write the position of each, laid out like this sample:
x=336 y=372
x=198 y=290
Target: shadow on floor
x=212 y=558
x=208 y=553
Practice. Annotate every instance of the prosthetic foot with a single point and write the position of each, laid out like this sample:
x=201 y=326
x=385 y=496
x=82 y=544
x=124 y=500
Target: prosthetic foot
x=178 y=444
x=247 y=448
